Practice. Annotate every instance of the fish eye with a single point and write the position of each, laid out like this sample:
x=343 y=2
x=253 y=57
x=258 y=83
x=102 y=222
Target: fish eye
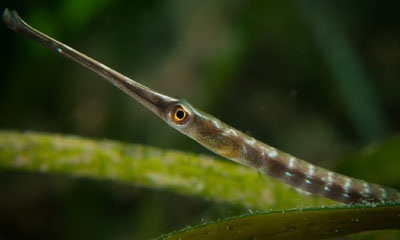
x=180 y=115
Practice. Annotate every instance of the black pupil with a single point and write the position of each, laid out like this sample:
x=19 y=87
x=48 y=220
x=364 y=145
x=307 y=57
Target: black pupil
x=180 y=114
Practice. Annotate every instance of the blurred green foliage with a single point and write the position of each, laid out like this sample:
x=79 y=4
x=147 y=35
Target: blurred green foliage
x=316 y=79
x=383 y=156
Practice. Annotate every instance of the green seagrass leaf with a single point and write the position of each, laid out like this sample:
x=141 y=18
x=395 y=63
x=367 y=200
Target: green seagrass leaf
x=315 y=223
x=169 y=170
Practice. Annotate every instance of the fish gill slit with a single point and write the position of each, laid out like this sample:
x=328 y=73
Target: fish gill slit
x=216 y=123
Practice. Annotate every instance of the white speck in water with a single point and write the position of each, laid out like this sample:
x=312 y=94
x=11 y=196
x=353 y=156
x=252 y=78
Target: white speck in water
x=336 y=230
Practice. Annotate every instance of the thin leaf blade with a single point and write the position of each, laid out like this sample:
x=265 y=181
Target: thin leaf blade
x=315 y=223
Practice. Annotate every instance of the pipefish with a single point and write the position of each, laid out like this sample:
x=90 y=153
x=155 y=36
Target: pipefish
x=218 y=136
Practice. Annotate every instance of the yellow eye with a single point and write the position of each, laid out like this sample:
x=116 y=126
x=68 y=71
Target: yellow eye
x=179 y=115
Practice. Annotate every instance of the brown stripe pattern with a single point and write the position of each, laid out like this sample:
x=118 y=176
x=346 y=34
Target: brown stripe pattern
x=246 y=150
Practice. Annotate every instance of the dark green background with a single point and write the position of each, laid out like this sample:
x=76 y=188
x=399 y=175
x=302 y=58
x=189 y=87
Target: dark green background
x=318 y=79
